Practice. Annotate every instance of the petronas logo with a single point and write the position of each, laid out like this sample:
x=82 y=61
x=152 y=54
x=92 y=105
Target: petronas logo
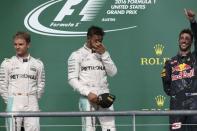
x=158 y=49
x=160 y=100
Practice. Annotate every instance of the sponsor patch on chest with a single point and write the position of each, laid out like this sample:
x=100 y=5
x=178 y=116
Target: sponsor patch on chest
x=87 y=68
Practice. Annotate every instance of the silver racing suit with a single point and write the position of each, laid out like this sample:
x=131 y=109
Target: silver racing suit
x=21 y=85
x=87 y=72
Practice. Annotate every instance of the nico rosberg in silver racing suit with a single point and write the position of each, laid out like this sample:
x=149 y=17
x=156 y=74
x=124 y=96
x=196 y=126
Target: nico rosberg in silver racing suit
x=22 y=81
x=88 y=68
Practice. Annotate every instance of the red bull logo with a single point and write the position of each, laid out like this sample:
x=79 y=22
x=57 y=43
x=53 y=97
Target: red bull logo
x=181 y=67
x=183 y=74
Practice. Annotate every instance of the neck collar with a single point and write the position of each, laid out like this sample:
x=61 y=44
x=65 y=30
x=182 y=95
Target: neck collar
x=23 y=59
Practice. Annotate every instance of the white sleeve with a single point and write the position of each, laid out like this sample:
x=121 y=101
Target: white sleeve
x=73 y=66
x=110 y=67
x=83 y=90
x=41 y=80
x=73 y=75
x=4 y=80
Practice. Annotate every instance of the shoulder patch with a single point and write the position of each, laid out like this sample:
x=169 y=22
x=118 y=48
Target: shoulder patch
x=7 y=59
x=163 y=73
x=6 y=62
x=38 y=60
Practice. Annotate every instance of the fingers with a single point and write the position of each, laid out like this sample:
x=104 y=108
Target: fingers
x=97 y=45
x=92 y=97
x=185 y=10
x=189 y=14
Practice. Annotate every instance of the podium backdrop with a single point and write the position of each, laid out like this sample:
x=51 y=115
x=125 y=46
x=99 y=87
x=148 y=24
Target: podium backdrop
x=140 y=36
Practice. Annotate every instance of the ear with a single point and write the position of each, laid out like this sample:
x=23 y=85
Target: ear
x=88 y=39
x=28 y=45
x=178 y=41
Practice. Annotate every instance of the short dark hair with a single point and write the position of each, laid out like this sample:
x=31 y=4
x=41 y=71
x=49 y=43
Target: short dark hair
x=23 y=35
x=95 y=30
x=187 y=31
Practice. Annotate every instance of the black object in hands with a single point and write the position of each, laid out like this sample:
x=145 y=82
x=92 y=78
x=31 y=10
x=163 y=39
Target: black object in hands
x=106 y=100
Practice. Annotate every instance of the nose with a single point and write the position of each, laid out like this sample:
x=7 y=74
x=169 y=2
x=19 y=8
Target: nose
x=184 y=40
x=17 y=46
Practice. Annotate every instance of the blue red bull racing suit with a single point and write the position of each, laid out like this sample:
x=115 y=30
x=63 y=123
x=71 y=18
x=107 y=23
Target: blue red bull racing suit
x=179 y=78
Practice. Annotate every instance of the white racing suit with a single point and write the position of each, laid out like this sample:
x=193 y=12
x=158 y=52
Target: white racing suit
x=21 y=85
x=87 y=72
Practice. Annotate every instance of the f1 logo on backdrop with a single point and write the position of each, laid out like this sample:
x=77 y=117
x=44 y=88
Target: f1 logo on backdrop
x=88 y=12
x=73 y=17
